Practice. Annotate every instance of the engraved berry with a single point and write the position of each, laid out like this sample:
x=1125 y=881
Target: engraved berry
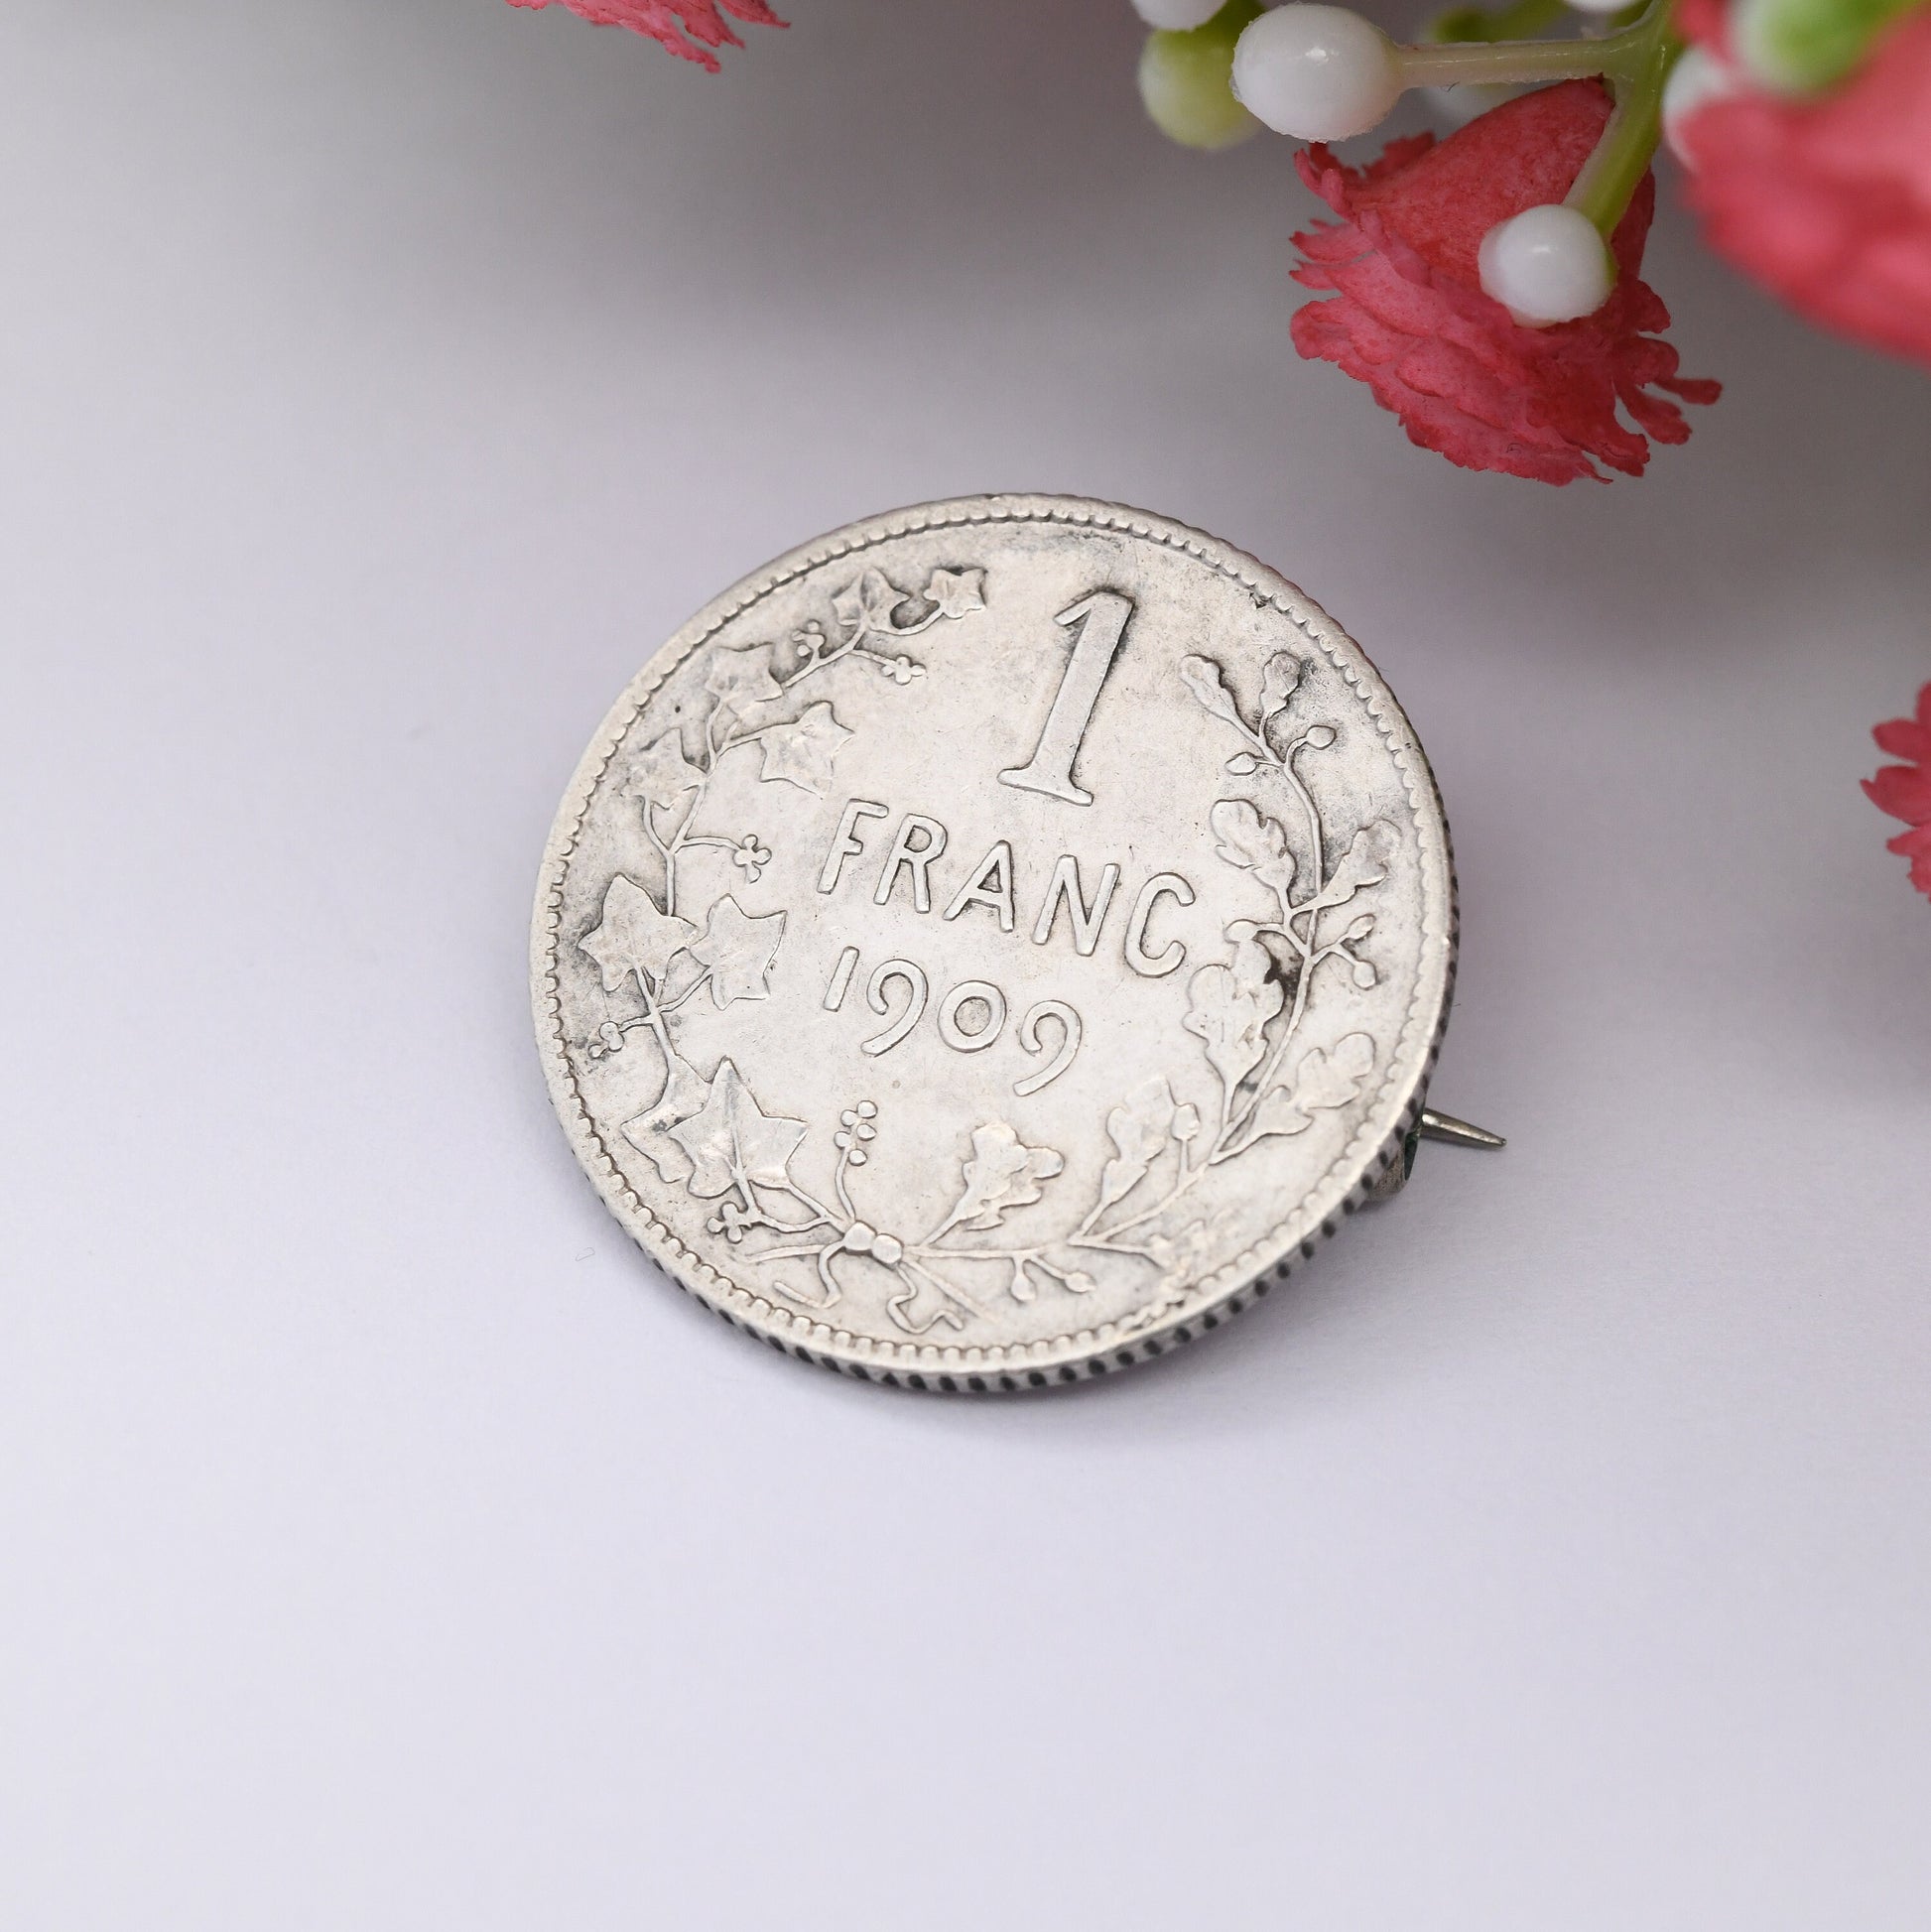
x=611 y=1036
x=1319 y=737
x=867 y=1111
x=859 y=1236
x=754 y=857
x=901 y=670
x=888 y=1249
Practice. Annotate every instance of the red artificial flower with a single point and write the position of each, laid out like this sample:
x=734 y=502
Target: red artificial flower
x=1828 y=201
x=1904 y=791
x=669 y=22
x=1409 y=319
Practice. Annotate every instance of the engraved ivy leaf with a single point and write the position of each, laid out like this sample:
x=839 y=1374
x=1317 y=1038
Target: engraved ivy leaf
x=867 y=605
x=1002 y=1173
x=1140 y=1129
x=1278 y=682
x=957 y=594
x=1229 y=1010
x=684 y=1092
x=634 y=936
x=1365 y=862
x=738 y=950
x=1333 y=1077
x=800 y=752
x=662 y=774
x=1248 y=837
x=732 y=1139
x=737 y=678
x=1201 y=676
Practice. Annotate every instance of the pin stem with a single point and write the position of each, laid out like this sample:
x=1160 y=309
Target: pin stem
x=1445 y=1126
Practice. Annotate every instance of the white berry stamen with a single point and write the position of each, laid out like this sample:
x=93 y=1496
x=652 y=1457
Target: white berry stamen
x=1177 y=16
x=1696 y=79
x=1547 y=265
x=1318 y=74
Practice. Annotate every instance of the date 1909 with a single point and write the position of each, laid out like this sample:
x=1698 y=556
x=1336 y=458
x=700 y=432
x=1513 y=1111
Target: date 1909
x=974 y=1013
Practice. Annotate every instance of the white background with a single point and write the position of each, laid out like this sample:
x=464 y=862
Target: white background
x=384 y=1547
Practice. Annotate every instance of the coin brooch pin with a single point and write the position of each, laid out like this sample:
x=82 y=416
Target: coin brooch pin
x=987 y=945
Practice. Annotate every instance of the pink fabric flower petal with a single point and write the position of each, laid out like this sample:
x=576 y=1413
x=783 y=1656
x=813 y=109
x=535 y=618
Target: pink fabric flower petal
x=689 y=27
x=1904 y=791
x=1406 y=313
x=1828 y=201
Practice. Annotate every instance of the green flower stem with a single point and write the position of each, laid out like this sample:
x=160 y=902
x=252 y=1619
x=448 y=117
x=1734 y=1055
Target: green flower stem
x=1616 y=57
x=1507 y=63
x=1521 y=22
x=1621 y=157
x=1634 y=62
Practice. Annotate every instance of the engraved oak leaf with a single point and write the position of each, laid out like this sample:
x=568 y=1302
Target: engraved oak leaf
x=800 y=752
x=1002 y=1173
x=737 y=678
x=1201 y=676
x=1326 y=1079
x=1278 y=682
x=1140 y=1129
x=1229 y=1010
x=661 y=773
x=1248 y=837
x=634 y=936
x=1178 y=1257
x=732 y=1139
x=1365 y=862
x=738 y=950
x=867 y=605
x=1275 y=1114
x=957 y=594
x=1333 y=1077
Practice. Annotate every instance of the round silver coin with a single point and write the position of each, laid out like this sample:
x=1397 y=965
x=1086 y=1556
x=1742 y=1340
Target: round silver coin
x=983 y=946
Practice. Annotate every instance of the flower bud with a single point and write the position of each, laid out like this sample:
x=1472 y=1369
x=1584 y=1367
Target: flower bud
x=1318 y=74
x=1696 y=79
x=1798 y=46
x=1185 y=80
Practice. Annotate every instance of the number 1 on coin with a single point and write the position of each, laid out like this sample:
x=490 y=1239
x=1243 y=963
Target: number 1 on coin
x=1101 y=619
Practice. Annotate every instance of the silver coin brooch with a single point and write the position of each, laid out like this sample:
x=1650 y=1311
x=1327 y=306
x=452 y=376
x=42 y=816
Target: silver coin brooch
x=985 y=948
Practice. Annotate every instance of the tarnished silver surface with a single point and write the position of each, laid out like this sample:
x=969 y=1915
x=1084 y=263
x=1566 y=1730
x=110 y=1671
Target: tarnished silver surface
x=986 y=945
